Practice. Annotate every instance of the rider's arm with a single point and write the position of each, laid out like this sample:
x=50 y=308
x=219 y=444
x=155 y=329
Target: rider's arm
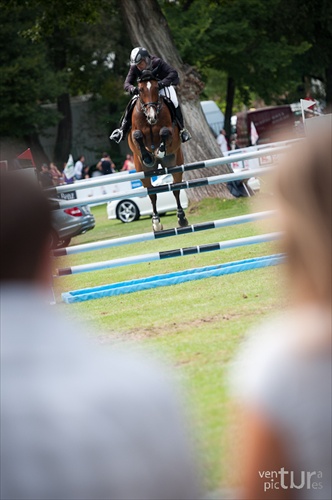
x=169 y=75
x=131 y=79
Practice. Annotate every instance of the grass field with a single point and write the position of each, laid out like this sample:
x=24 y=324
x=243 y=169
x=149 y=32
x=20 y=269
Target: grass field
x=196 y=326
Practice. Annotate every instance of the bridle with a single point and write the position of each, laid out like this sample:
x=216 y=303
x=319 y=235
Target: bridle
x=146 y=105
x=154 y=104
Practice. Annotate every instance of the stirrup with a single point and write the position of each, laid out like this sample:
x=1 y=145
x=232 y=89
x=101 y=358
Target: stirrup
x=117 y=135
x=185 y=135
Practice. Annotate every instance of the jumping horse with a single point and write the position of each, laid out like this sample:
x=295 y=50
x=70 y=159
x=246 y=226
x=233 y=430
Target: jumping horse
x=154 y=139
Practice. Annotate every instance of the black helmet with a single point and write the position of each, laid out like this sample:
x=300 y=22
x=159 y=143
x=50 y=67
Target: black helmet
x=138 y=54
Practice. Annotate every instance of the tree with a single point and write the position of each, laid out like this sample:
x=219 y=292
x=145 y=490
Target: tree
x=158 y=40
x=86 y=46
x=57 y=24
x=248 y=39
x=26 y=82
x=314 y=24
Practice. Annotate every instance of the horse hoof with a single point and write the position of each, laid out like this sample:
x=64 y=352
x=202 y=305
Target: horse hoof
x=183 y=222
x=156 y=224
x=148 y=164
x=157 y=227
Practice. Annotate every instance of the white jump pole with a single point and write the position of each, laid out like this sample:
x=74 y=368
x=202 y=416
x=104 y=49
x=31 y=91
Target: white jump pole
x=180 y=252
x=138 y=238
x=118 y=178
x=141 y=192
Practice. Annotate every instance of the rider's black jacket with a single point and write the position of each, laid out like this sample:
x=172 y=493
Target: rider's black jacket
x=163 y=71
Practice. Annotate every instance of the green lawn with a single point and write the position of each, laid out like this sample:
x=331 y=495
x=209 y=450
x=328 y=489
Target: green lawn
x=196 y=326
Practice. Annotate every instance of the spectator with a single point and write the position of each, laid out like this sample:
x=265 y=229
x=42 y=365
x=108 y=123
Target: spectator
x=233 y=142
x=222 y=141
x=128 y=163
x=79 y=168
x=106 y=165
x=45 y=177
x=86 y=172
x=282 y=377
x=77 y=420
x=56 y=175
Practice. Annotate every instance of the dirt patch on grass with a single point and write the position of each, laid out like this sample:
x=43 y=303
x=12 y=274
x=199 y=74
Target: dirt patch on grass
x=174 y=328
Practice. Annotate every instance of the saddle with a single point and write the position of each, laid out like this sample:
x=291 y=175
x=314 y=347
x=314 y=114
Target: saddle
x=171 y=108
x=131 y=104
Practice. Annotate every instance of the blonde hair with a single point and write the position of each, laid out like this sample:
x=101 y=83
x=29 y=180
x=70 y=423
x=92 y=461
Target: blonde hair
x=304 y=192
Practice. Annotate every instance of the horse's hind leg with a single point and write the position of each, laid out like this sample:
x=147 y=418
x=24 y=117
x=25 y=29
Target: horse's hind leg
x=182 y=219
x=156 y=224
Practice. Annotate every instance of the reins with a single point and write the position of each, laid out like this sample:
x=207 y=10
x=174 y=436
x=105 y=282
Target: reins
x=155 y=104
x=148 y=76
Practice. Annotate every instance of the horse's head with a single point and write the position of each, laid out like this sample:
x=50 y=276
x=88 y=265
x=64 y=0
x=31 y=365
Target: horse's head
x=149 y=96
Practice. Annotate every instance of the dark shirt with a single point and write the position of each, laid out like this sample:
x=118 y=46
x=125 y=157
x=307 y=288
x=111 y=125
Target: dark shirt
x=45 y=179
x=106 y=167
x=163 y=71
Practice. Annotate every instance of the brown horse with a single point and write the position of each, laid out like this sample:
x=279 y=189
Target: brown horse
x=154 y=139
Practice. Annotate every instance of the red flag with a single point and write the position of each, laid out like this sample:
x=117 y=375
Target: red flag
x=307 y=103
x=26 y=155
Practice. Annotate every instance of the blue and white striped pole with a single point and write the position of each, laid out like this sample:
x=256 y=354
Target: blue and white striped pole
x=179 y=252
x=118 y=178
x=138 y=238
x=141 y=192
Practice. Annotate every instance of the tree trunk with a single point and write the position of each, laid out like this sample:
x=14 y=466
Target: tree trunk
x=229 y=105
x=147 y=27
x=58 y=54
x=63 y=142
x=328 y=73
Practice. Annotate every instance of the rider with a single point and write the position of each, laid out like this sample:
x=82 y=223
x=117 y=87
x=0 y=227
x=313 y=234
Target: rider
x=141 y=60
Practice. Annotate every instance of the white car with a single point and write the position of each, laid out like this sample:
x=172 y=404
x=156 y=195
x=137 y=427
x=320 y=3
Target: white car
x=131 y=209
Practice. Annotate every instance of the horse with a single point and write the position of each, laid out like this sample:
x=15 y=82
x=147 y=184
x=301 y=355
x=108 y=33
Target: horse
x=154 y=139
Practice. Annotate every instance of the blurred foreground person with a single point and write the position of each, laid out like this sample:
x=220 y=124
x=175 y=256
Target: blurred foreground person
x=282 y=377
x=77 y=421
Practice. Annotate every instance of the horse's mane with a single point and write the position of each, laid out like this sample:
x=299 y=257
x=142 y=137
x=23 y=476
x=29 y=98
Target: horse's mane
x=146 y=76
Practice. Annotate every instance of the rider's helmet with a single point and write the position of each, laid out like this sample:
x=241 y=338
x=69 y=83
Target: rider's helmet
x=138 y=54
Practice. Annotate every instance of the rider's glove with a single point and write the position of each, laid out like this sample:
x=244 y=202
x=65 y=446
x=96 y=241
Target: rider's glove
x=161 y=85
x=134 y=90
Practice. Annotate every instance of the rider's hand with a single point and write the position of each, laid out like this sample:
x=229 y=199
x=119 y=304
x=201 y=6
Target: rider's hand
x=134 y=90
x=161 y=85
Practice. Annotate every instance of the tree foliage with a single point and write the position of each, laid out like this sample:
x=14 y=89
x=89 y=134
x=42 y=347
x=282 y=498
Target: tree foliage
x=53 y=50
x=265 y=47
x=26 y=77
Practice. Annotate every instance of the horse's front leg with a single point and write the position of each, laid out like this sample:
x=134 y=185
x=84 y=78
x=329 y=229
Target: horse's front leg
x=164 y=134
x=167 y=160
x=147 y=157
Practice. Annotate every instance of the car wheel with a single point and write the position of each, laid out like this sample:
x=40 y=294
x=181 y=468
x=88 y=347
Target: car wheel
x=56 y=242
x=63 y=243
x=127 y=211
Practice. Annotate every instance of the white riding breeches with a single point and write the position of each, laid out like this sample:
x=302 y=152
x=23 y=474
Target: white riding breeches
x=171 y=94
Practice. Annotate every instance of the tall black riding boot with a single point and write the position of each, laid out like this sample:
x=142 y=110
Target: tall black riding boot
x=120 y=133
x=184 y=134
